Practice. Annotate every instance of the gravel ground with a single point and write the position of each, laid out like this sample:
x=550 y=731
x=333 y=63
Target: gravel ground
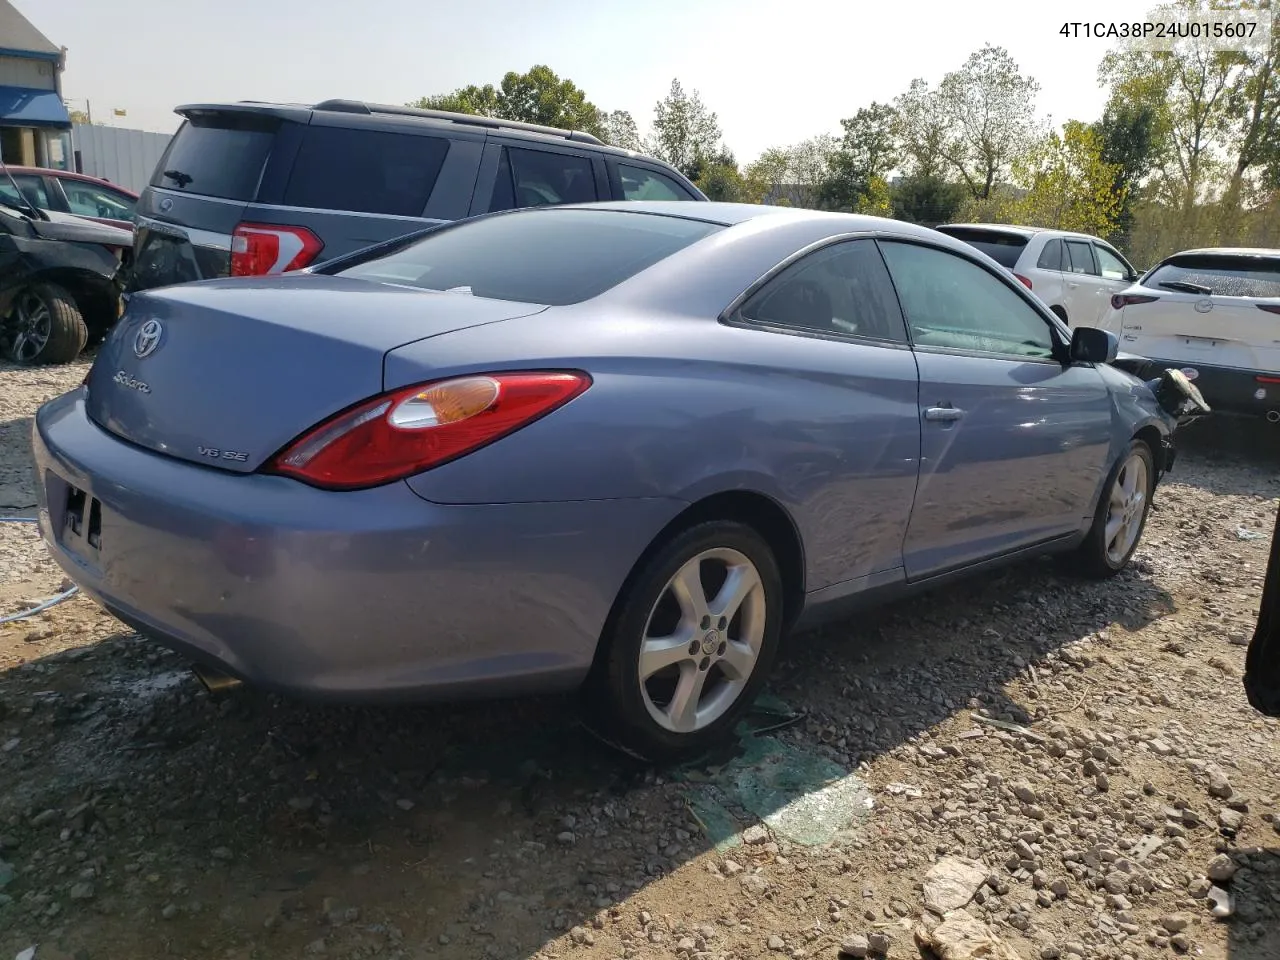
x=1123 y=794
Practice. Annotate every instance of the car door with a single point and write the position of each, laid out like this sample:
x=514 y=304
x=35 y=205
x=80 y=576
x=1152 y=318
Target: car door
x=1050 y=281
x=849 y=462
x=99 y=203
x=1116 y=274
x=519 y=173
x=1088 y=295
x=1014 y=441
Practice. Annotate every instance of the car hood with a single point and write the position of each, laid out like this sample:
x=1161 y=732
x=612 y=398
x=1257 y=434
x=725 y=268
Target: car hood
x=66 y=226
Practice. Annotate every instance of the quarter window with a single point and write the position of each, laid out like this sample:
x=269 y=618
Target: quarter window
x=1110 y=266
x=953 y=304
x=1051 y=256
x=639 y=183
x=841 y=289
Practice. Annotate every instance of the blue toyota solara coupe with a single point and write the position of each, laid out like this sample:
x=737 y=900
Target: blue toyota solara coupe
x=624 y=448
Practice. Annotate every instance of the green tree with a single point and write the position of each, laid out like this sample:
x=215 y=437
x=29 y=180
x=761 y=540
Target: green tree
x=861 y=164
x=1129 y=135
x=921 y=129
x=719 y=178
x=684 y=130
x=1252 y=128
x=927 y=198
x=1068 y=184
x=988 y=108
x=537 y=96
x=480 y=101
x=765 y=178
x=619 y=130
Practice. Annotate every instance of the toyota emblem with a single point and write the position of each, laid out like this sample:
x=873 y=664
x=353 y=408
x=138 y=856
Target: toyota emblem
x=166 y=205
x=147 y=339
x=1204 y=306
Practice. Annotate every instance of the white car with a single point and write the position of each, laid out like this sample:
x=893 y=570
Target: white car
x=1073 y=273
x=1214 y=314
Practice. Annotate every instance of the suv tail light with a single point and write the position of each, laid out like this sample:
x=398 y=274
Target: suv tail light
x=262 y=248
x=1121 y=300
x=1025 y=281
x=403 y=432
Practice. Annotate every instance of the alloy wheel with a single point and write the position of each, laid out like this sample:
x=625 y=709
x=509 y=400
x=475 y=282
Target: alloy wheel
x=702 y=640
x=33 y=324
x=1126 y=508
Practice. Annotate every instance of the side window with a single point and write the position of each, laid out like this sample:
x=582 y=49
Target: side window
x=1081 y=256
x=955 y=304
x=1111 y=266
x=33 y=191
x=366 y=171
x=639 y=183
x=539 y=178
x=88 y=200
x=843 y=289
x=1051 y=256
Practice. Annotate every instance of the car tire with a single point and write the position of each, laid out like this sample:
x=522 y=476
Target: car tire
x=45 y=326
x=1125 y=501
x=723 y=657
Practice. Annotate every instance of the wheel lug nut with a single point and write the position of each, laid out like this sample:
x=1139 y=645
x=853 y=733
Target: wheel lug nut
x=706 y=662
x=693 y=647
x=724 y=622
x=723 y=647
x=706 y=622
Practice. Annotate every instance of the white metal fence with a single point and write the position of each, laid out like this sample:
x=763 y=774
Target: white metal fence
x=126 y=157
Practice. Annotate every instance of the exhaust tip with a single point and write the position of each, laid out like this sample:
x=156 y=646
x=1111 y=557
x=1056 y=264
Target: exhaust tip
x=215 y=681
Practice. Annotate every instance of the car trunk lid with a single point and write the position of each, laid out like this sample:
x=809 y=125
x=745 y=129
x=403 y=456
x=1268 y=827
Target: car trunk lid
x=226 y=373
x=1220 y=331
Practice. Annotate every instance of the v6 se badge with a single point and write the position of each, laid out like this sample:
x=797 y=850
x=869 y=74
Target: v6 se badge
x=214 y=453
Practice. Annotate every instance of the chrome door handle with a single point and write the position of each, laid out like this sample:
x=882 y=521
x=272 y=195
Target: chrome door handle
x=944 y=414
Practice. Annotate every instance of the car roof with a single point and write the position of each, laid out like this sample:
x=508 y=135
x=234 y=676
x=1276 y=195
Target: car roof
x=69 y=175
x=731 y=214
x=478 y=124
x=1027 y=232
x=1261 y=252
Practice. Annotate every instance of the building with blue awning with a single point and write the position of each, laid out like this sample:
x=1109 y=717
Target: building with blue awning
x=35 y=127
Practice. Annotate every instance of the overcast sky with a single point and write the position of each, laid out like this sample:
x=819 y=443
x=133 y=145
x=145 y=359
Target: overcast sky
x=776 y=71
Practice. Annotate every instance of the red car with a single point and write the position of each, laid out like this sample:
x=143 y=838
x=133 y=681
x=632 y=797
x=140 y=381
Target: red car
x=74 y=193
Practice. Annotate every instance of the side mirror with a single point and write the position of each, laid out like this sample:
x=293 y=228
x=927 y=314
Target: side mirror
x=1091 y=345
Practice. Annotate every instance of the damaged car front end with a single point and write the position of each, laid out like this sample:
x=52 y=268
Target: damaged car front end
x=58 y=286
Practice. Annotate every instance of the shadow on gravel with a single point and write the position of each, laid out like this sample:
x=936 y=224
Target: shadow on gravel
x=1229 y=441
x=139 y=812
x=1256 y=884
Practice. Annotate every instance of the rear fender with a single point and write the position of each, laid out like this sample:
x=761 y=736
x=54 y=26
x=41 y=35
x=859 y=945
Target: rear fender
x=1262 y=663
x=94 y=293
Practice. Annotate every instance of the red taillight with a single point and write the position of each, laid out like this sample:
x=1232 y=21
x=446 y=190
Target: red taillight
x=1264 y=379
x=261 y=248
x=412 y=429
x=1269 y=307
x=1122 y=300
x=1026 y=282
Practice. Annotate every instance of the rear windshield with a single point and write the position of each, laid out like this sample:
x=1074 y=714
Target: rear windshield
x=217 y=155
x=1003 y=248
x=370 y=171
x=545 y=256
x=1223 y=275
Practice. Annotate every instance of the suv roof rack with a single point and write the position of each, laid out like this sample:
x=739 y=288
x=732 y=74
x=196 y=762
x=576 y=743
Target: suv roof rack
x=358 y=106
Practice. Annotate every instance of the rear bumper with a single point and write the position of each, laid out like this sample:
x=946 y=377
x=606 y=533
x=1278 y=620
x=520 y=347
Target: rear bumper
x=1228 y=389
x=373 y=594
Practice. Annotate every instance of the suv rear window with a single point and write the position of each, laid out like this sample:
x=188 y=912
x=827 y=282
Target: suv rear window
x=1003 y=248
x=1222 y=274
x=217 y=155
x=368 y=171
x=550 y=256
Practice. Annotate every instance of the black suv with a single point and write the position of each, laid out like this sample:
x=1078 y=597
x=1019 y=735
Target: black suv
x=255 y=188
